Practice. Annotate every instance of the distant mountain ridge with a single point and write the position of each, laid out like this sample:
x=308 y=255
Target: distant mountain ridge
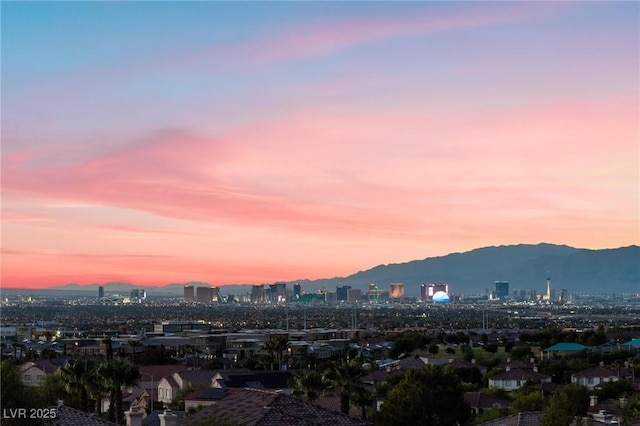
x=525 y=266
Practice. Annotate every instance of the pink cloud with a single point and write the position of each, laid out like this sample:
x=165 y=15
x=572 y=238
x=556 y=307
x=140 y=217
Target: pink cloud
x=315 y=169
x=361 y=187
x=319 y=38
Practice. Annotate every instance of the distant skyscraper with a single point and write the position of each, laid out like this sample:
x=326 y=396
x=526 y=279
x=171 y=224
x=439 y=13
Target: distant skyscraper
x=100 y=291
x=189 y=293
x=215 y=294
x=354 y=295
x=203 y=294
x=296 y=291
x=396 y=291
x=423 y=292
x=548 y=296
x=502 y=290
x=342 y=293
x=374 y=293
x=280 y=291
x=257 y=294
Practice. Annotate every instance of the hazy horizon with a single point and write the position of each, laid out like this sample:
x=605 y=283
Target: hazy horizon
x=253 y=143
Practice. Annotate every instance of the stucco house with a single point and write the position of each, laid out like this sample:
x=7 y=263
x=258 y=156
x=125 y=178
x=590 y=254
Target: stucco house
x=593 y=377
x=515 y=379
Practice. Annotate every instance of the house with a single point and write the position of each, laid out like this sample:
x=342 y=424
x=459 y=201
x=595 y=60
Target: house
x=592 y=377
x=631 y=345
x=603 y=411
x=150 y=377
x=253 y=406
x=515 y=379
x=479 y=401
x=168 y=387
x=33 y=373
x=563 y=348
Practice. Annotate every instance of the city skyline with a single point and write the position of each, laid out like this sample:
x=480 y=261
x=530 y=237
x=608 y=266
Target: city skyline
x=234 y=143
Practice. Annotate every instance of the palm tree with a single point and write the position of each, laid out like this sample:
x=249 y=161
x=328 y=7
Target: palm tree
x=108 y=347
x=116 y=373
x=347 y=378
x=75 y=373
x=363 y=398
x=309 y=385
x=134 y=345
x=632 y=362
x=276 y=345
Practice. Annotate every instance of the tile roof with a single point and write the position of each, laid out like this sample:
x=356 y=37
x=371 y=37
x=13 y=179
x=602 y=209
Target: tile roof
x=520 y=375
x=596 y=372
x=521 y=419
x=207 y=394
x=241 y=406
x=258 y=379
x=264 y=408
x=158 y=372
x=332 y=402
x=67 y=416
x=518 y=364
x=566 y=347
x=634 y=342
x=484 y=401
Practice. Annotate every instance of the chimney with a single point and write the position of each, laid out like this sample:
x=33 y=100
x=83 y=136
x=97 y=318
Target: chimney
x=134 y=417
x=593 y=400
x=168 y=418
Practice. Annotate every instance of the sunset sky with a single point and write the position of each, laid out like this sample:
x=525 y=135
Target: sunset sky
x=165 y=142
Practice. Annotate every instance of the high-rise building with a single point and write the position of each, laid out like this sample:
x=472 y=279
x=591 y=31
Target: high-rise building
x=137 y=295
x=423 y=292
x=396 y=291
x=189 y=293
x=549 y=294
x=276 y=293
x=296 y=291
x=342 y=292
x=330 y=296
x=203 y=294
x=281 y=291
x=502 y=290
x=101 y=292
x=257 y=294
x=354 y=295
x=215 y=294
x=374 y=293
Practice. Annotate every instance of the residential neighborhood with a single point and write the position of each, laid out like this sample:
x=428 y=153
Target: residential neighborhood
x=326 y=376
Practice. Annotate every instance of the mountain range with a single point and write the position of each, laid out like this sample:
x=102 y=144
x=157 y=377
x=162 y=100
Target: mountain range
x=525 y=266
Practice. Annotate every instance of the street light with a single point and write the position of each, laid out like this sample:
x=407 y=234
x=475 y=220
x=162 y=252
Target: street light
x=151 y=395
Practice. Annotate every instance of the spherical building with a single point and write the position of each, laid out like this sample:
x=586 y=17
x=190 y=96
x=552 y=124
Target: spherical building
x=440 y=297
